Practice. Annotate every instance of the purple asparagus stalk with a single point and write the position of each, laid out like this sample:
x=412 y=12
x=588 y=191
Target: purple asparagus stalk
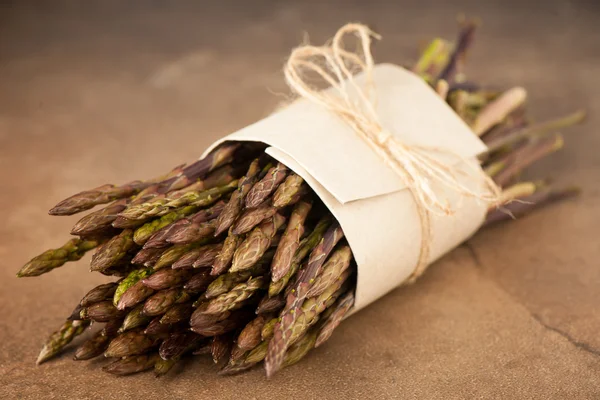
x=106 y=193
x=525 y=204
x=234 y=206
x=161 y=237
x=340 y=309
x=167 y=278
x=263 y=188
x=131 y=365
x=73 y=250
x=256 y=243
x=112 y=251
x=290 y=241
x=59 y=339
x=225 y=256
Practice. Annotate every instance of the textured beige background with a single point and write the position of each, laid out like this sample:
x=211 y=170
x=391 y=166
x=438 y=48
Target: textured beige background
x=94 y=92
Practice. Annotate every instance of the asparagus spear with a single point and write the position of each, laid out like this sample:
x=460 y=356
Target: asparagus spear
x=105 y=291
x=465 y=39
x=433 y=59
x=133 y=278
x=161 y=237
x=235 y=297
x=99 y=220
x=304 y=248
x=166 y=278
x=334 y=268
x=129 y=343
x=236 y=353
x=158 y=330
x=207 y=258
x=144 y=196
x=112 y=251
x=159 y=303
x=256 y=244
x=270 y=304
x=249 y=360
x=177 y=313
x=176 y=179
x=100 y=195
x=147 y=257
x=294 y=322
x=298 y=350
x=223 y=155
x=250 y=336
x=317 y=257
x=200 y=257
x=103 y=219
x=290 y=241
x=103 y=311
x=496 y=111
x=173 y=254
x=340 y=309
x=177 y=344
x=162 y=206
x=73 y=250
x=514 y=122
x=121 y=269
x=131 y=365
x=264 y=187
x=106 y=193
x=226 y=282
x=290 y=191
x=162 y=366
x=234 y=206
x=218 y=177
x=252 y=217
x=535 y=131
x=223 y=259
x=59 y=339
x=199 y=282
x=98 y=343
x=220 y=348
x=134 y=319
x=268 y=329
x=201 y=318
x=528 y=203
x=258 y=354
x=134 y=295
x=145 y=232
x=525 y=156
x=221 y=327
x=192 y=233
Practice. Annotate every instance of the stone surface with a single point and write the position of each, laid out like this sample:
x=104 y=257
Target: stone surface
x=101 y=92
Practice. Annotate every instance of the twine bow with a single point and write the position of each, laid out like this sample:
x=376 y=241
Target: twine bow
x=413 y=163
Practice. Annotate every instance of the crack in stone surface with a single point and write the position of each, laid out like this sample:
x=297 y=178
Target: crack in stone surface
x=580 y=345
x=576 y=343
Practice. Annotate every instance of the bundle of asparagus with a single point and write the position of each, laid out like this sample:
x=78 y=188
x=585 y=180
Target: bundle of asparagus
x=235 y=256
